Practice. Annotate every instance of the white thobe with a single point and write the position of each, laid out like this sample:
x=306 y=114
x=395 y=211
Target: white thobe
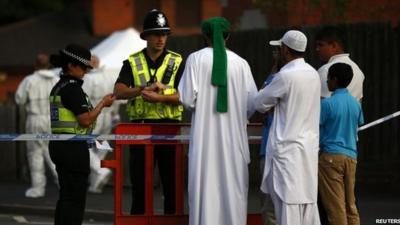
x=293 y=144
x=218 y=150
x=356 y=85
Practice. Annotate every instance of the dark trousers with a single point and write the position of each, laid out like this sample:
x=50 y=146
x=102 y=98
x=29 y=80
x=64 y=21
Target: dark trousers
x=72 y=165
x=164 y=156
x=322 y=213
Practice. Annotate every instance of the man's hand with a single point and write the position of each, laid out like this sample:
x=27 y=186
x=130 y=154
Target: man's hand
x=151 y=96
x=157 y=86
x=108 y=100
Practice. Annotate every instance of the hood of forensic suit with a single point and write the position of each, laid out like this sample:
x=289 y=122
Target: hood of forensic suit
x=48 y=74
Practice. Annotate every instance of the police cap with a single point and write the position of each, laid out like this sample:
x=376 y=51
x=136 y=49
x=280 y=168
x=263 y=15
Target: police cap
x=155 y=21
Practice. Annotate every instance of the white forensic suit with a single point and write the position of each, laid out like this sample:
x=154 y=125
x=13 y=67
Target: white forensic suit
x=218 y=150
x=291 y=162
x=356 y=85
x=33 y=93
x=96 y=85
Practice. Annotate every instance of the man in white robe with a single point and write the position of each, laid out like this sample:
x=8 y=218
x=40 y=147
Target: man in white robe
x=291 y=162
x=219 y=150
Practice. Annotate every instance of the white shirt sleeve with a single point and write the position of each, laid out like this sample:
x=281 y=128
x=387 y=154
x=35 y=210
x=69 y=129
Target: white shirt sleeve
x=269 y=96
x=188 y=84
x=21 y=95
x=251 y=91
x=323 y=74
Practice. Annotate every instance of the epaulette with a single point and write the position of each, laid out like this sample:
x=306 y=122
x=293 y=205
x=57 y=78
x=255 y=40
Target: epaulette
x=174 y=53
x=136 y=53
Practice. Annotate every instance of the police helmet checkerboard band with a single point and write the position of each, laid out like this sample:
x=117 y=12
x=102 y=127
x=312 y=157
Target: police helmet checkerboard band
x=74 y=53
x=80 y=59
x=155 y=21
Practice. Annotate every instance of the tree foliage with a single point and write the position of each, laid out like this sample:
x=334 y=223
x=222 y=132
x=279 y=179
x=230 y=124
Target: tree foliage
x=16 y=10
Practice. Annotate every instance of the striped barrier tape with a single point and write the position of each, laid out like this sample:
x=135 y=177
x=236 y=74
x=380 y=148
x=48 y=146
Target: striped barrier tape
x=113 y=137
x=108 y=137
x=73 y=137
x=378 y=121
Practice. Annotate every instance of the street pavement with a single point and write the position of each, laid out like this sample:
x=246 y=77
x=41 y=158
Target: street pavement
x=378 y=204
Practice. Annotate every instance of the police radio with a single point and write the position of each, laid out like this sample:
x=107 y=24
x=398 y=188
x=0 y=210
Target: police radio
x=168 y=74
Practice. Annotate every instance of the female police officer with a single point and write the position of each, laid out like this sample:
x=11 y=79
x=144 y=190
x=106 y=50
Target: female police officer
x=72 y=113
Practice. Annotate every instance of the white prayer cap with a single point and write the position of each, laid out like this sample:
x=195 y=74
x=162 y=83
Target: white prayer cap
x=294 y=39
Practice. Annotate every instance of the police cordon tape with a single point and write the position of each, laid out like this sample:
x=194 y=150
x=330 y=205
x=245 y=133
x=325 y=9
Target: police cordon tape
x=73 y=137
x=378 y=121
x=129 y=137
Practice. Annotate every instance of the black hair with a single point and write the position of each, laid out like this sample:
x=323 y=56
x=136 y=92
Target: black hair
x=296 y=53
x=331 y=34
x=342 y=72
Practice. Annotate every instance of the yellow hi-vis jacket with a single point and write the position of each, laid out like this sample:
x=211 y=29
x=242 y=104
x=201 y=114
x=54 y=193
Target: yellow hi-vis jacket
x=63 y=120
x=137 y=108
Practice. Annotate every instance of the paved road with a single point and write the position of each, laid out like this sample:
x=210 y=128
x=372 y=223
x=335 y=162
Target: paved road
x=9 y=219
x=377 y=204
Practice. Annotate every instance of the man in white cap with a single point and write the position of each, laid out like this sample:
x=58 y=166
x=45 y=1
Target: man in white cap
x=291 y=162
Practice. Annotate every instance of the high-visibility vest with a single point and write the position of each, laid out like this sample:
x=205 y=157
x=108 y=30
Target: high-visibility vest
x=63 y=120
x=139 y=109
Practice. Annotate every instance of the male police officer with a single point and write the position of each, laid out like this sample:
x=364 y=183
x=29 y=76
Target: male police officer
x=148 y=79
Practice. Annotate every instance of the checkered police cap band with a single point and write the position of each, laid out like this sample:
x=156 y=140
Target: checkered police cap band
x=167 y=29
x=80 y=59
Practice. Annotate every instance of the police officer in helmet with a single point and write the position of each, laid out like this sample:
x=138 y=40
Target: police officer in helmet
x=72 y=113
x=149 y=80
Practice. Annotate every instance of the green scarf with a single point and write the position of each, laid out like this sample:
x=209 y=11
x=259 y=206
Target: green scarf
x=214 y=28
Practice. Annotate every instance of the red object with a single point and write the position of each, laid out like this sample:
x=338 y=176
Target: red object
x=179 y=218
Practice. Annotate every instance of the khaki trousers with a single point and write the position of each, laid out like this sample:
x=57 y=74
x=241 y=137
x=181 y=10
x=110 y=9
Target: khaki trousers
x=336 y=180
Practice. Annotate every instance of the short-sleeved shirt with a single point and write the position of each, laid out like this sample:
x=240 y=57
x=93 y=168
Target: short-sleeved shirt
x=356 y=85
x=72 y=95
x=126 y=77
x=341 y=115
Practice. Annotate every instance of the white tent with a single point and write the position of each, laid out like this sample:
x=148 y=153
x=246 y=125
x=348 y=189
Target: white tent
x=112 y=51
x=118 y=47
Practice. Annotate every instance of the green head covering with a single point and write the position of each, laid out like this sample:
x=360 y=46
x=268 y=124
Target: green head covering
x=214 y=28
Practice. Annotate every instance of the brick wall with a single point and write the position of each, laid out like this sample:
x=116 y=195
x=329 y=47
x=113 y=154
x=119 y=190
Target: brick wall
x=303 y=12
x=111 y=15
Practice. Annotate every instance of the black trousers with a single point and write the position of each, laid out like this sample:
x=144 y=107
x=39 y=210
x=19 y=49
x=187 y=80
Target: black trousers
x=323 y=217
x=164 y=156
x=72 y=166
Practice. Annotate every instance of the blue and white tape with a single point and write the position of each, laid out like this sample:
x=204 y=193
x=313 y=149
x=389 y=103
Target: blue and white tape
x=129 y=137
x=378 y=121
x=108 y=137
x=72 y=137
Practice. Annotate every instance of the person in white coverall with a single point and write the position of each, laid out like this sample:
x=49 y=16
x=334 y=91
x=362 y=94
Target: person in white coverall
x=33 y=93
x=96 y=85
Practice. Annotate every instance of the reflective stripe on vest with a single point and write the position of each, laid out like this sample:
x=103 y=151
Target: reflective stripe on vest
x=63 y=120
x=139 y=109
